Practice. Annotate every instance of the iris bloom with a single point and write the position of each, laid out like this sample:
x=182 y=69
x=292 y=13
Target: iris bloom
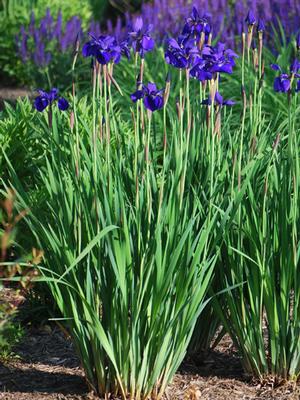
x=152 y=98
x=219 y=101
x=182 y=53
x=140 y=38
x=125 y=49
x=200 y=71
x=295 y=66
x=260 y=25
x=250 y=19
x=47 y=99
x=195 y=24
x=104 y=48
x=282 y=83
x=218 y=58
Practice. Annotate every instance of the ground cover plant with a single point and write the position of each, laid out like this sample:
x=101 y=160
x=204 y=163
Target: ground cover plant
x=170 y=186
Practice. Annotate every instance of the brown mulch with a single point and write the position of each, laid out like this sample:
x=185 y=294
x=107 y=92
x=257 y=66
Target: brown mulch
x=48 y=369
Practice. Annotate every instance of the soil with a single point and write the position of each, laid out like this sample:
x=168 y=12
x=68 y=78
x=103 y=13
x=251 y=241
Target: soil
x=47 y=368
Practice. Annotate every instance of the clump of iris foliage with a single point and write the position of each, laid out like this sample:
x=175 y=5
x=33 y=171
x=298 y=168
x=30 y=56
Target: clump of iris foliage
x=157 y=194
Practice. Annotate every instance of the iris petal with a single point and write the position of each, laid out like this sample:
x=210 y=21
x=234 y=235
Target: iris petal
x=40 y=103
x=63 y=104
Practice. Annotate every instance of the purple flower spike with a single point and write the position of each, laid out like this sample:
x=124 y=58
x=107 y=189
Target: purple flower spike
x=46 y=99
x=152 y=98
x=139 y=37
x=250 y=19
x=282 y=83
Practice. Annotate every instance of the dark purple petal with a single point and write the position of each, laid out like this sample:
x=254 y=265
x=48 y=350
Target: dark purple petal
x=40 y=103
x=250 y=19
x=103 y=57
x=62 y=104
x=153 y=103
x=206 y=102
x=53 y=95
x=261 y=25
x=139 y=94
x=282 y=83
x=218 y=99
x=275 y=67
x=295 y=66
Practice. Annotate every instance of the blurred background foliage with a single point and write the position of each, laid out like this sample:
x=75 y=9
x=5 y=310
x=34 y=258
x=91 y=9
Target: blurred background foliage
x=16 y=14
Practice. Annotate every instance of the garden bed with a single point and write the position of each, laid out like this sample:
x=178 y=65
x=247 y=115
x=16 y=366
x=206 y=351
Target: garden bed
x=47 y=368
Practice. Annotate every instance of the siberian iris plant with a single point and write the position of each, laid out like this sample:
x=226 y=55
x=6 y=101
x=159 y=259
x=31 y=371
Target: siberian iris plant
x=195 y=25
x=103 y=48
x=139 y=37
x=46 y=99
x=152 y=98
x=250 y=19
x=141 y=219
x=218 y=58
x=283 y=82
x=181 y=53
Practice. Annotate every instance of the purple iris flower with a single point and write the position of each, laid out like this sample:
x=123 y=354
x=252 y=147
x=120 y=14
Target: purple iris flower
x=295 y=66
x=152 y=98
x=298 y=86
x=219 y=101
x=261 y=25
x=200 y=71
x=103 y=48
x=46 y=99
x=250 y=19
x=182 y=53
x=125 y=49
x=218 y=58
x=140 y=38
x=282 y=83
x=195 y=24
